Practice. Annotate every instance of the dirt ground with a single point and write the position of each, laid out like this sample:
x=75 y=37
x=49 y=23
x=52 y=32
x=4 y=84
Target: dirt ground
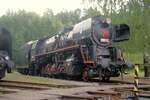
x=52 y=93
x=55 y=93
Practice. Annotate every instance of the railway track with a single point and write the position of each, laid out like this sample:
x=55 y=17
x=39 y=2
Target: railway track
x=123 y=93
x=34 y=86
x=23 y=85
x=31 y=86
x=38 y=84
x=126 y=80
x=114 y=90
x=98 y=95
x=109 y=94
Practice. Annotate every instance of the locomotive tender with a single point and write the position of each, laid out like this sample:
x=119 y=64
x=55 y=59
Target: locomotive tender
x=83 y=51
x=5 y=52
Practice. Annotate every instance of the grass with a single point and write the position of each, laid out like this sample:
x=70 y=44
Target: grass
x=132 y=73
x=15 y=76
x=134 y=58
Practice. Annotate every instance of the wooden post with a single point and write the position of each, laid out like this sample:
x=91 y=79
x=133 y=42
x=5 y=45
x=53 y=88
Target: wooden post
x=136 y=81
x=146 y=62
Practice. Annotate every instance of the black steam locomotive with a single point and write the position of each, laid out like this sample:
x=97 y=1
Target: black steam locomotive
x=83 y=51
x=5 y=52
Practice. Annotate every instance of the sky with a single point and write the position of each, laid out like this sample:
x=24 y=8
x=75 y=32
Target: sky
x=40 y=6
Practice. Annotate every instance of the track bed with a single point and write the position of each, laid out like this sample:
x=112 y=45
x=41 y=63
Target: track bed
x=116 y=89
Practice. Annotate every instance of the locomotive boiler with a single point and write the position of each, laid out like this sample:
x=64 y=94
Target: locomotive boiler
x=5 y=52
x=83 y=51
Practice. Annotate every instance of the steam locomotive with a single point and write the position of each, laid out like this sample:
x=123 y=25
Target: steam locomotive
x=83 y=51
x=5 y=52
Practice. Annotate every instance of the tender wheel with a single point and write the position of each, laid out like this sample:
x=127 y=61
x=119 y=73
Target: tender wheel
x=105 y=78
x=9 y=70
x=100 y=75
x=32 y=70
x=3 y=73
x=85 y=75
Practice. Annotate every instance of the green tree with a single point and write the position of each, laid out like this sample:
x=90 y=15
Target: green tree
x=27 y=26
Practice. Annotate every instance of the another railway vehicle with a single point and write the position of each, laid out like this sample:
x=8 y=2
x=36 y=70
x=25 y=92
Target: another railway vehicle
x=83 y=51
x=5 y=52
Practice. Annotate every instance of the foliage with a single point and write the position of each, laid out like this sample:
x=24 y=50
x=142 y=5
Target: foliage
x=27 y=26
x=136 y=14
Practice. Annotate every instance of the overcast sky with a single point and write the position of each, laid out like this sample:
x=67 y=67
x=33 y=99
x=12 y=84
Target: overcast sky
x=39 y=6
